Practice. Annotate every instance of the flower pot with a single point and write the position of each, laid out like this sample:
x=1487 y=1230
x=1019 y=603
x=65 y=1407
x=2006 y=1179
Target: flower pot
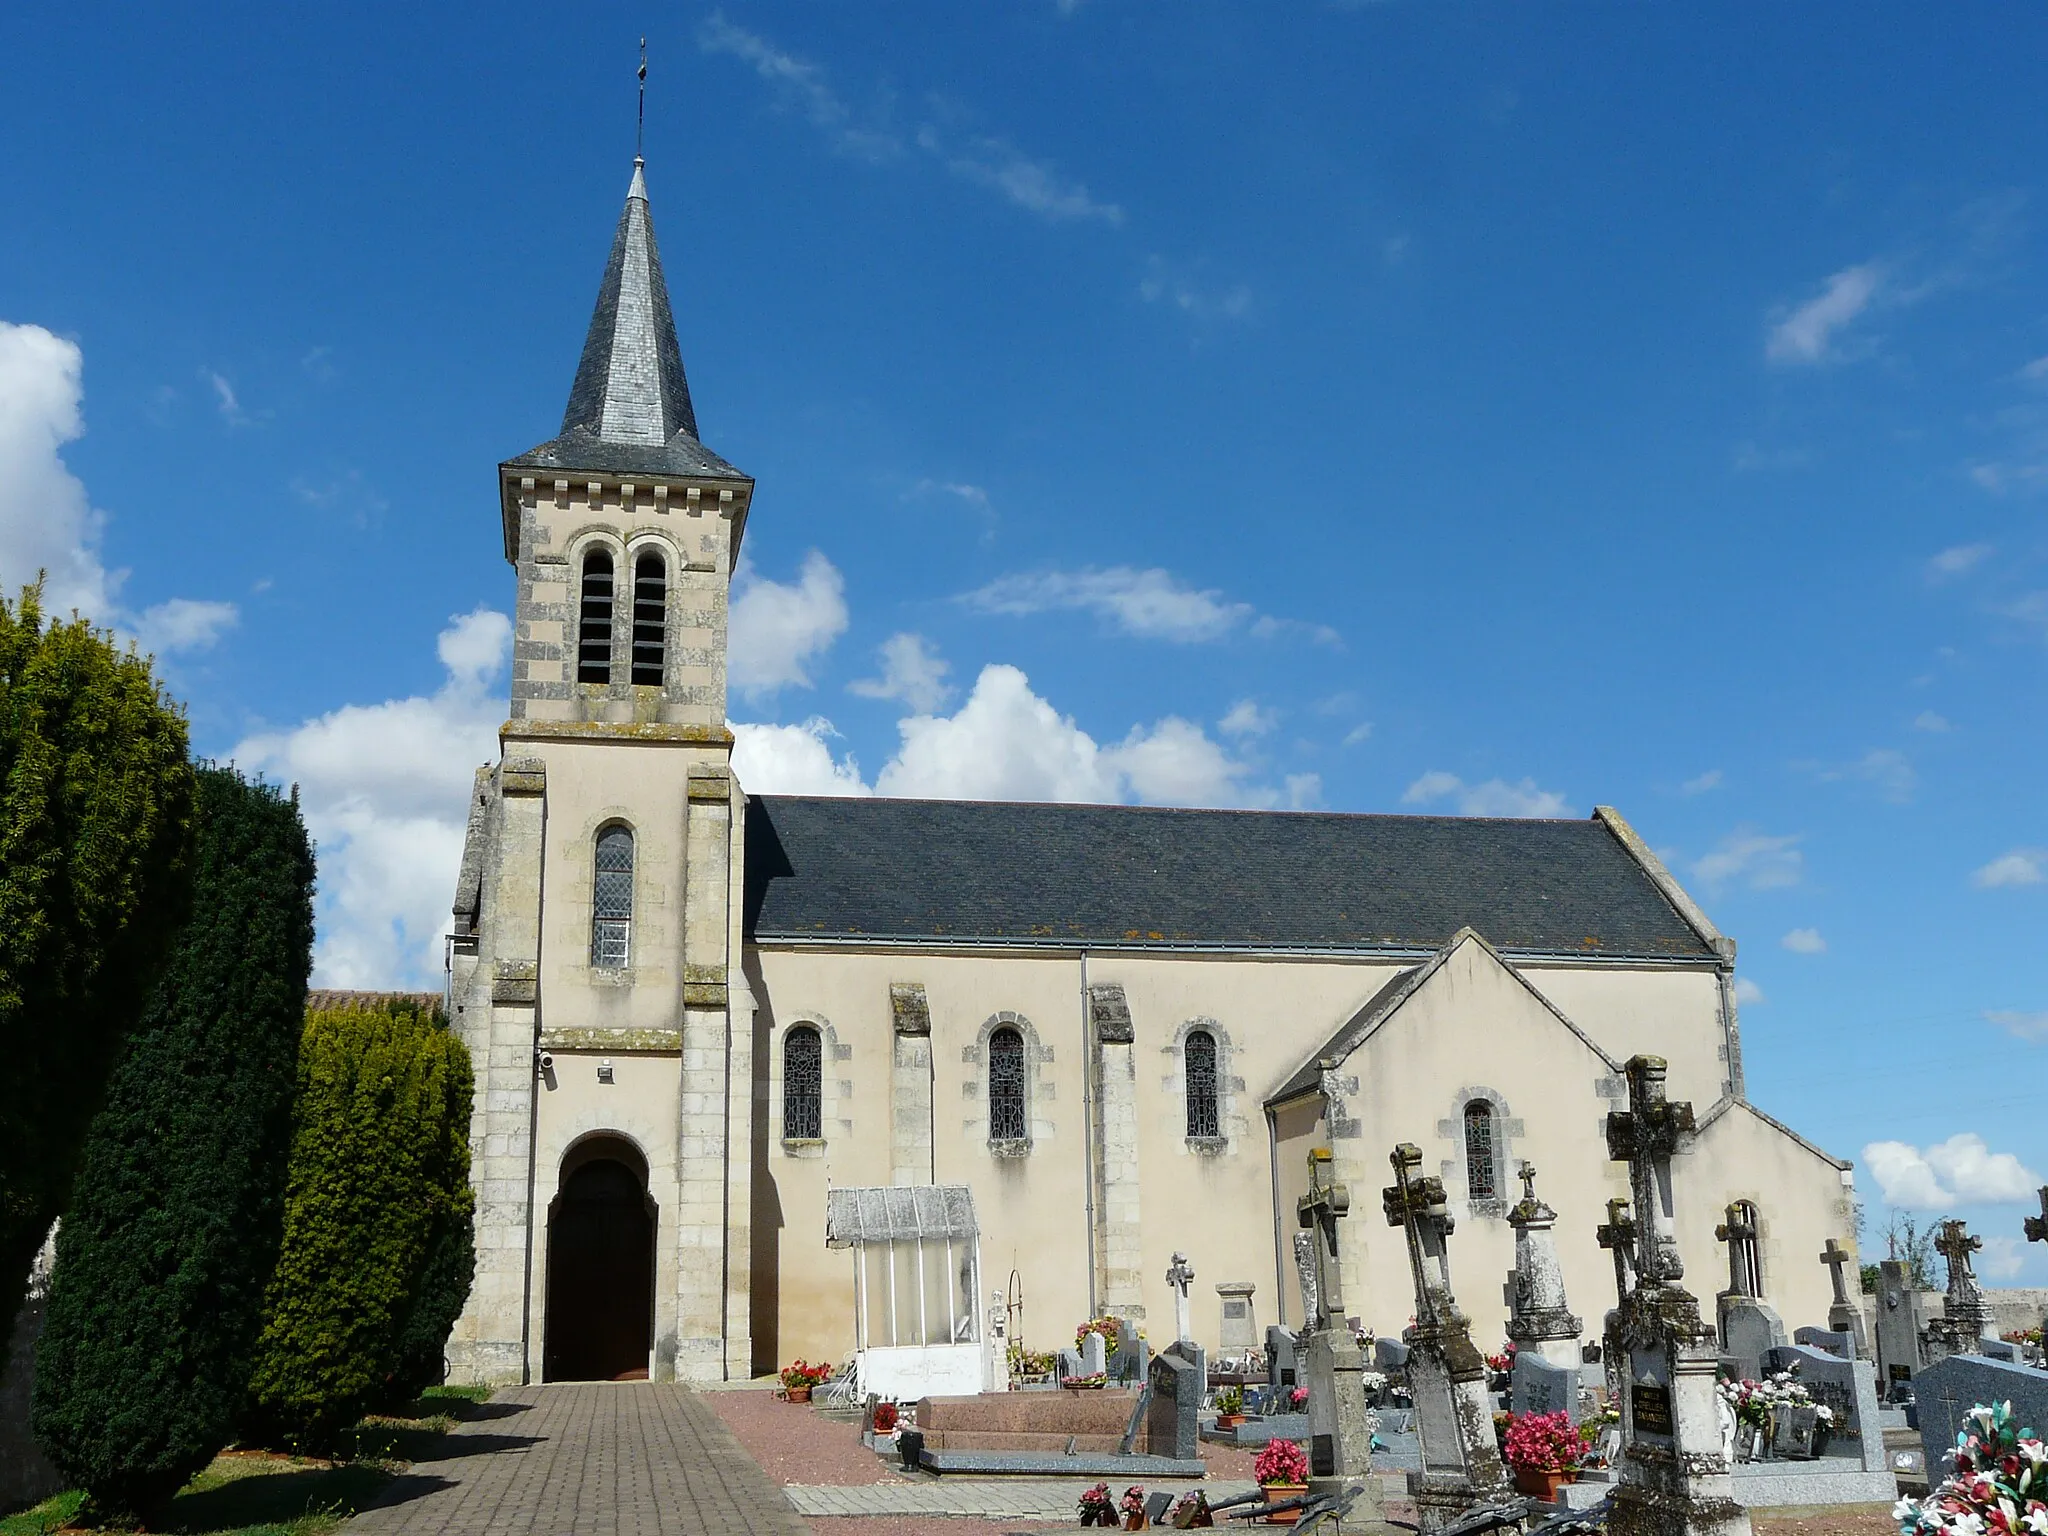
x=1276 y=1493
x=797 y=1394
x=1536 y=1484
x=1229 y=1420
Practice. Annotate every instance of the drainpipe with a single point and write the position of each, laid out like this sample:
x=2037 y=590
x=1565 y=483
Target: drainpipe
x=1088 y=1129
x=1279 y=1244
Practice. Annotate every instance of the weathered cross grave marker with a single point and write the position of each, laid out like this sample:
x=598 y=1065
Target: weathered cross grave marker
x=1750 y=1329
x=1340 y=1423
x=1966 y=1318
x=1844 y=1316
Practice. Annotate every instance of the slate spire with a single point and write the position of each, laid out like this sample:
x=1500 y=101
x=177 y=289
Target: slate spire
x=629 y=385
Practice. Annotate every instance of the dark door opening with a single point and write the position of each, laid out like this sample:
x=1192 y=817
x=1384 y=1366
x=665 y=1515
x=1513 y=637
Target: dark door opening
x=600 y=1312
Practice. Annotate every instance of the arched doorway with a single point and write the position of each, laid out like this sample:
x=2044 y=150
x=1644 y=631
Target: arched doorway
x=600 y=1305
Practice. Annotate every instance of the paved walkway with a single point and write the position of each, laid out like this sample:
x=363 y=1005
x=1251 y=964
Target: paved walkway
x=988 y=1498
x=625 y=1459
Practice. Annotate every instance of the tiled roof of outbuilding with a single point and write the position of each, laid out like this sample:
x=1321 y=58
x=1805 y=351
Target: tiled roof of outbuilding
x=1125 y=876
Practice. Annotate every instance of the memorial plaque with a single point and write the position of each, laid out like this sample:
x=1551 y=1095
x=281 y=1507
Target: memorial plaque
x=1651 y=1407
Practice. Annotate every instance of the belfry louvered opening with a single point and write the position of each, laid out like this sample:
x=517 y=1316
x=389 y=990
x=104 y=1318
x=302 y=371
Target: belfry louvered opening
x=594 y=620
x=650 y=610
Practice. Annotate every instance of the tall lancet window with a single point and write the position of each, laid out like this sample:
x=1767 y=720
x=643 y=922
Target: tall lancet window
x=1006 y=1085
x=803 y=1079
x=611 y=907
x=1198 y=1062
x=594 y=620
x=1482 y=1181
x=650 y=610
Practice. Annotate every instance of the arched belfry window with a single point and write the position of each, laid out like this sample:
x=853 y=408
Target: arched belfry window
x=611 y=907
x=803 y=1084
x=1198 y=1063
x=1482 y=1181
x=650 y=610
x=1006 y=1085
x=594 y=620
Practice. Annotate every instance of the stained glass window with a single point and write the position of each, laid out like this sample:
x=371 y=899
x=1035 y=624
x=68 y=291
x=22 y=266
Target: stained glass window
x=650 y=609
x=1006 y=1085
x=1198 y=1057
x=1480 y=1180
x=802 y=1085
x=594 y=620
x=611 y=909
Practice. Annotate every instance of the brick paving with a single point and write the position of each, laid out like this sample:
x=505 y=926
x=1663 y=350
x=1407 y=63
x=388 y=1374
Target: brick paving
x=624 y=1459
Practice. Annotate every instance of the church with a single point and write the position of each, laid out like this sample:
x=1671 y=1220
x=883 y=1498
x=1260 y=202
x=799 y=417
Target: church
x=695 y=1011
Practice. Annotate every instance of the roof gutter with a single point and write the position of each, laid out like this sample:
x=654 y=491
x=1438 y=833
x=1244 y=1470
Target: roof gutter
x=1068 y=949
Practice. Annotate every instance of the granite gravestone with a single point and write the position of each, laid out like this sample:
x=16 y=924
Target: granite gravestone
x=1179 y=1375
x=1282 y=1369
x=1899 y=1329
x=1132 y=1355
x=1950 y=1388
x=1537 y=1386
x=1389 y=1355
x=1848 y=1389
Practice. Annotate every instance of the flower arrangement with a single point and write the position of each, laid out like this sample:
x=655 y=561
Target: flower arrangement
x=1107 y=1327
x=885 y=1418
x=1758 y=1403
x=1133 y=1503
x=801 y=1376
x=1297 y=1397
x=2023 y=1336
x=1998 y=1486
x=1544 y=1442
x=1097 y=1508
x=1503 y=1362
x=1282 y=1461
x=1027 y=1362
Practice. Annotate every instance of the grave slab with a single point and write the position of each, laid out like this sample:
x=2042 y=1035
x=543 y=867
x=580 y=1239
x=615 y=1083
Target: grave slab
x=1038 y=1464
x=1950 y=1388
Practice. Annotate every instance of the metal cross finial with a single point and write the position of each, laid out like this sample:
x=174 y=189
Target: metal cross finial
x=2037 y=1226
x=640 y=135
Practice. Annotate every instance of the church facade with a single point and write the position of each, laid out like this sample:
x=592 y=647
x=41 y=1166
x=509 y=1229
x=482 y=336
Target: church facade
x=693 y=1011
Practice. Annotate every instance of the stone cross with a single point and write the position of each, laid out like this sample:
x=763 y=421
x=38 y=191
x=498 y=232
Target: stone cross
x=1418 y=1206
x=1956 y=1245
x=1539 y=1317
x=1967 y=1318
x=1319 y=1211
x=2037 y=1226
x=1180 y=1274
x=1645 y=1135
x=1739 y=1233
x=1835 y=1256
x=1305 y=1266
x=1618 y=1235
x=1526 y=1172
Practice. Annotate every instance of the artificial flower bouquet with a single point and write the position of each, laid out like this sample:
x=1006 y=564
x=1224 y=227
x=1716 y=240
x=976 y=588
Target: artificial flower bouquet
x=1999 y=1486
x=1282 y=1462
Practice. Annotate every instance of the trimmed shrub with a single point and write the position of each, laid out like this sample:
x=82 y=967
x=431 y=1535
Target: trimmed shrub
x=95 y=838
x=377 y=1249
x=179 y=1201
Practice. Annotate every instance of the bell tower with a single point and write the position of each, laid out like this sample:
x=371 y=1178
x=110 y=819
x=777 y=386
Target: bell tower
x=595 y=955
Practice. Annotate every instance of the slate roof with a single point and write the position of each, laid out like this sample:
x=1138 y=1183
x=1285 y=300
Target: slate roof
x=1124 y=876
x=629 y=409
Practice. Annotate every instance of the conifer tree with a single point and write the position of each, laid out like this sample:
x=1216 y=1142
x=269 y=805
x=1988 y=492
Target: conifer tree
x=378 y=1248
x=157 y=1296
x=95 y=834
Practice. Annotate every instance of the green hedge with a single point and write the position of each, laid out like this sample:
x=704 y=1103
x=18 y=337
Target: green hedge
x=179 y=1201
x=95 y=838
x=378 y=1246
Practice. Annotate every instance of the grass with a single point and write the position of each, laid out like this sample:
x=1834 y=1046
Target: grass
x=262 y=1493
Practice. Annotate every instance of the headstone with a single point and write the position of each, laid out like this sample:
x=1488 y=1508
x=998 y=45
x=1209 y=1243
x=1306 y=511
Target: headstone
x=1826 y=1340
x=1966 y=1317
x=1844 y=1315
x=1239 y=1331
x=1094 y=1354
x=1070 y=1364
x=1848 y=1389
x=1461 y=1465
x=1539 y=1320
x=1998 y=1349
x=1179 y=1375
x=1899 y=1330
x=1389 y=1355
x=1282 y=1370
x=1950 y=1388
x=1537 y=1386
x=1674 y=1476
x=26 y=1476
x=1180 y=1274
x=1748 y=1327
x=1132 y=1355
x=1340 y=1423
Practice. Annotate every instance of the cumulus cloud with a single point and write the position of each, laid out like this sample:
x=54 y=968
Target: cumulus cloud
x=1247 y=718
x=1928 y=720
x=1956 y=560
x=2002 y=1258
x=385 y=791
x=2022 y=1026
x=1754 y=859
x=793 y=760
x=1747 y=993
x=779 y=629
x=1032 y=184
x=1959 y=1171
x=2023 y=866
x=1807 y=334
x=1152 y=604
x=1804 y=941
x=912 y=672
x=1495 y=797
x=1701 y=783
x=183 y=624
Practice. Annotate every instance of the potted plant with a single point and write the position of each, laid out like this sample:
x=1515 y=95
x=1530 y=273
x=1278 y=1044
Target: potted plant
x=885 y=1418
x=1133 y=1504
x=1282 y=1471
x=1229 y=1407
x=1546 y=1451
x=1097 y=1508
x=798 y=1378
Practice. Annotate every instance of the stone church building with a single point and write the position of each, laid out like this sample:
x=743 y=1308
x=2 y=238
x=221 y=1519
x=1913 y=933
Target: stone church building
x=695 y=1010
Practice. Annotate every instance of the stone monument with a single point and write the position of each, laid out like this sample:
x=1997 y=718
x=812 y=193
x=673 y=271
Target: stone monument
x=1461 y=1464
x=1966 y=1319
x=1240 y=1330
x=1749 y=1328
x=1844 y=1316
x=1900 y=1329
x=1180 y=1274
x=1674 y=1478
x=996 y=1374
x=1340 y=1423
x=1539 y=1321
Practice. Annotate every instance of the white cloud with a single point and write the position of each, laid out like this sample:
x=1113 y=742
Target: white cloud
x=1806 y=334
x=800 y=85
x=974 y=497
x=1959 y=1171
x=793 y=760
x=385 y=791
x=46 y=522
x=2021 y=1026
x=1496 y=797
x=1956 y=560
x=1804 y=941
x=1928 y=720
x=230 y=408
x=1747 y=993
x=779 y=629
x=1152 y=604
x=1887 y=771
x=2003 y=1258
x=1759 y=861
x=1304 y=791
x=1358 y=733
x=1183 y=289
x=183 y=625
x=1031 y=184
x=2023 y=866
x=1699 y=785
x=1174 y=763
x=912 y=671
x=1247 y=718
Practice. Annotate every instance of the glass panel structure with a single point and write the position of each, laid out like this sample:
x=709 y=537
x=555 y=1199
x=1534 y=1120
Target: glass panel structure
x=1198 y=1056
x=1006 y=1086
x=611 y=911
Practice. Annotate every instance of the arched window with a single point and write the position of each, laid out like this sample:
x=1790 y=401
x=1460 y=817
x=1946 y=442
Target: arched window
x=803 y=1084
x=594 y=620
x=650 y=609
x=1006 y=1085
x=611 y=907
x=1198 y=1061
x=1482 y=1182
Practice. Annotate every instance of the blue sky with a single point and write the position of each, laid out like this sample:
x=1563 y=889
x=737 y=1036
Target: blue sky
x=1395 y=406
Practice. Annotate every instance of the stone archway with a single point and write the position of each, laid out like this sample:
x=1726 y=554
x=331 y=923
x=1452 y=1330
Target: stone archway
x=600 y=1299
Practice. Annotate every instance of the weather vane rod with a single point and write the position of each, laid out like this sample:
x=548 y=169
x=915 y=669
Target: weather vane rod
x=640 y=134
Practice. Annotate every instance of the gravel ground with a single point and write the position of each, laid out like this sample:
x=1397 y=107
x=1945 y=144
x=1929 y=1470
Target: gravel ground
x=1848 y=1520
